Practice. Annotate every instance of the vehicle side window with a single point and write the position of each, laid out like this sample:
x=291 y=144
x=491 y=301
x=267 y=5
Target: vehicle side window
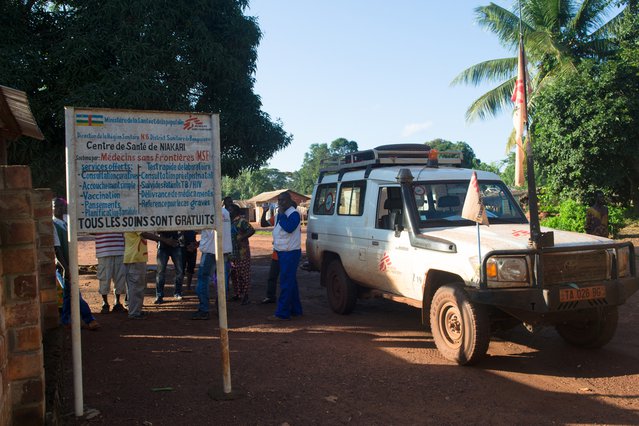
x=325 y=199
x=351 y=198
x=389 y=208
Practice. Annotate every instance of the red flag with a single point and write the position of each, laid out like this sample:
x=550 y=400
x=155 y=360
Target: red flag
x=520 y=115
x=473 y=204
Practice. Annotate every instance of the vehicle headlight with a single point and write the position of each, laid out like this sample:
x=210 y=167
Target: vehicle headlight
x=507 y=272
x=623 y=262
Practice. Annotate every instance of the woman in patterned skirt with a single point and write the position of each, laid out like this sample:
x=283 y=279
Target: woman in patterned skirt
x=241 y=231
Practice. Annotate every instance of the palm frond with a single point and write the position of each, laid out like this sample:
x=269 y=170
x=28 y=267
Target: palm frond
x=492 y=70
x=590 y=16
x=600 y=47
x=611 y=27
x=511 y=142
x=549 y=15
x=502 y=22
x=492 y=102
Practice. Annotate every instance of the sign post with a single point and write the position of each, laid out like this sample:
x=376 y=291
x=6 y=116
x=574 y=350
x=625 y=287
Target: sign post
x=136 y=171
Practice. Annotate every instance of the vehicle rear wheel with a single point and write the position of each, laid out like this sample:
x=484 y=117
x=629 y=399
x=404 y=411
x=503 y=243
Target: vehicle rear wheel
x=597 y=328
x=341 y=291
x=461 y=329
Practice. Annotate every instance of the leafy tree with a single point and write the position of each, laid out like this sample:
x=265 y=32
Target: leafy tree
x=469 y=160
x=251 y=183
x=176 y=55
x=306 y=176
x=557 y=37
x=587 y=132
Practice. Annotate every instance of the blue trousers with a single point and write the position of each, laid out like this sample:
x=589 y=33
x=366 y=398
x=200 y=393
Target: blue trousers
x=289 y=301
x=163 y=254
x=85 y=311
x=207 y=267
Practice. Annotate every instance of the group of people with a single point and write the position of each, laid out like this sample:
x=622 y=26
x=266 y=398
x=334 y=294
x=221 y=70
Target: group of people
x=122 y=259
x=237 y=259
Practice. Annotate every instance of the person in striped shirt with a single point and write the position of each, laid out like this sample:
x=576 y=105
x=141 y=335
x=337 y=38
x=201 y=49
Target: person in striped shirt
x=109 y=250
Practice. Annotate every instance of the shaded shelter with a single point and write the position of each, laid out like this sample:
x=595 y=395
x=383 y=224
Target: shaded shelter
x=270 y=197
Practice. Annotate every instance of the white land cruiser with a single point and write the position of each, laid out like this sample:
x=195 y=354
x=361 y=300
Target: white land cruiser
x=387 y=222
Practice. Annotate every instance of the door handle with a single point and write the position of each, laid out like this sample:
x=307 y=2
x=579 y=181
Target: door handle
x=375 y=243
x=314 y=236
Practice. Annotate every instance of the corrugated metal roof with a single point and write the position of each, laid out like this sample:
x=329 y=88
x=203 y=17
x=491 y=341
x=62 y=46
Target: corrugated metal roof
x=16 y=118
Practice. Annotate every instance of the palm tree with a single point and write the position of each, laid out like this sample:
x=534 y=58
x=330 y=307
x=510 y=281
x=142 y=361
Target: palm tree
x=558 y=34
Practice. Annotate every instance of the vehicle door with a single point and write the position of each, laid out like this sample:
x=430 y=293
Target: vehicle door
x=389 y=260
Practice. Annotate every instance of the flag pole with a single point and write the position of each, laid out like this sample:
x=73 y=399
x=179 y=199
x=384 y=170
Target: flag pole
x=478 y=243
x=474 y=209
x=533 y=203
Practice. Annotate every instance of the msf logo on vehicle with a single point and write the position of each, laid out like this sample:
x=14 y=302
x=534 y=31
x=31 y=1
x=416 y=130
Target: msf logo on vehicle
x=194 y=123
x=385 y=262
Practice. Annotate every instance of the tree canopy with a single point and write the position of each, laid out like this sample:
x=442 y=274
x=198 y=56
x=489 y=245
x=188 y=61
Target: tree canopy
x=557 y=37
x=173 y=55
x=253 y=182
x=586 y=132
x=306 y=176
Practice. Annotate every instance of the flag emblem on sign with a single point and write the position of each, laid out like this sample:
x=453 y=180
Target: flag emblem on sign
x=192 y=122
x=474 y=208
x=89 y=120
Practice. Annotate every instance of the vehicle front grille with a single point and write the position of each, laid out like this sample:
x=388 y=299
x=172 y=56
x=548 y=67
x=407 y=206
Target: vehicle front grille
x=575 y=267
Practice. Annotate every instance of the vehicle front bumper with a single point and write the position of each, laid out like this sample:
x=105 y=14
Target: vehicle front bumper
x=543 y=304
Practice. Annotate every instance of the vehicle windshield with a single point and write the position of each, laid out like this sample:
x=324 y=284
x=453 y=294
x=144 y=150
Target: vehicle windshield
x=441 y=203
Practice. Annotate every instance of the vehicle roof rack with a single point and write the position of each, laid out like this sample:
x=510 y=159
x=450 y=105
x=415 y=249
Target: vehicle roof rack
x=390 y=155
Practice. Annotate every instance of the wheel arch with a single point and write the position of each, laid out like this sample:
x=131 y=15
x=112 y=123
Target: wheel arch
x=434 y=279
x=327 y=258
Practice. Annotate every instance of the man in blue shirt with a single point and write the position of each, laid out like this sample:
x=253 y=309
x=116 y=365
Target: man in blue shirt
x=287 y=242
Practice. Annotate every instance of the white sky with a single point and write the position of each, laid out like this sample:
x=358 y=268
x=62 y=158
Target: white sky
x=374 y=71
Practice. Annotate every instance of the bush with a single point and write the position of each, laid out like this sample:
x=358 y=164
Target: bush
x=571 y=216
x=618 y=217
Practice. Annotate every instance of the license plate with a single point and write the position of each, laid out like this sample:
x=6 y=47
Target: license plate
x=586 y=293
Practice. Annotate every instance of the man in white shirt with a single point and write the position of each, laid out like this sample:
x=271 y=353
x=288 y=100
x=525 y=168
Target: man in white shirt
x=208 y=262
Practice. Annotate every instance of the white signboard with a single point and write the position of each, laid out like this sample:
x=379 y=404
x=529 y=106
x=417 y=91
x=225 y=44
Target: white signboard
x=141 y=170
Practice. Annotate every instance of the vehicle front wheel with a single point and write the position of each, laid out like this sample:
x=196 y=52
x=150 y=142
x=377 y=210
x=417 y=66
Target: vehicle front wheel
x=594 y=330
x=461 y=329
x=341 y=291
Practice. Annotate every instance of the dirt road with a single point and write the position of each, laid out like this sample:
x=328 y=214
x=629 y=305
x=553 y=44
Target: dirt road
x=375 y=366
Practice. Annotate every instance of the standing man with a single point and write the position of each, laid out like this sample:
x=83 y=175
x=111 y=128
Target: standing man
x=287 y=242
x=208 y=263
x=169 y=246
x=188 y=242
x=63 y=272
x=135 y=257
x=109 y=250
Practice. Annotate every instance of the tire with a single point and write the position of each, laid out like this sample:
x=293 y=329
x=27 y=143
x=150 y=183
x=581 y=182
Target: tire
x=461 y=329
x=341 y=291
x=597 y=328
